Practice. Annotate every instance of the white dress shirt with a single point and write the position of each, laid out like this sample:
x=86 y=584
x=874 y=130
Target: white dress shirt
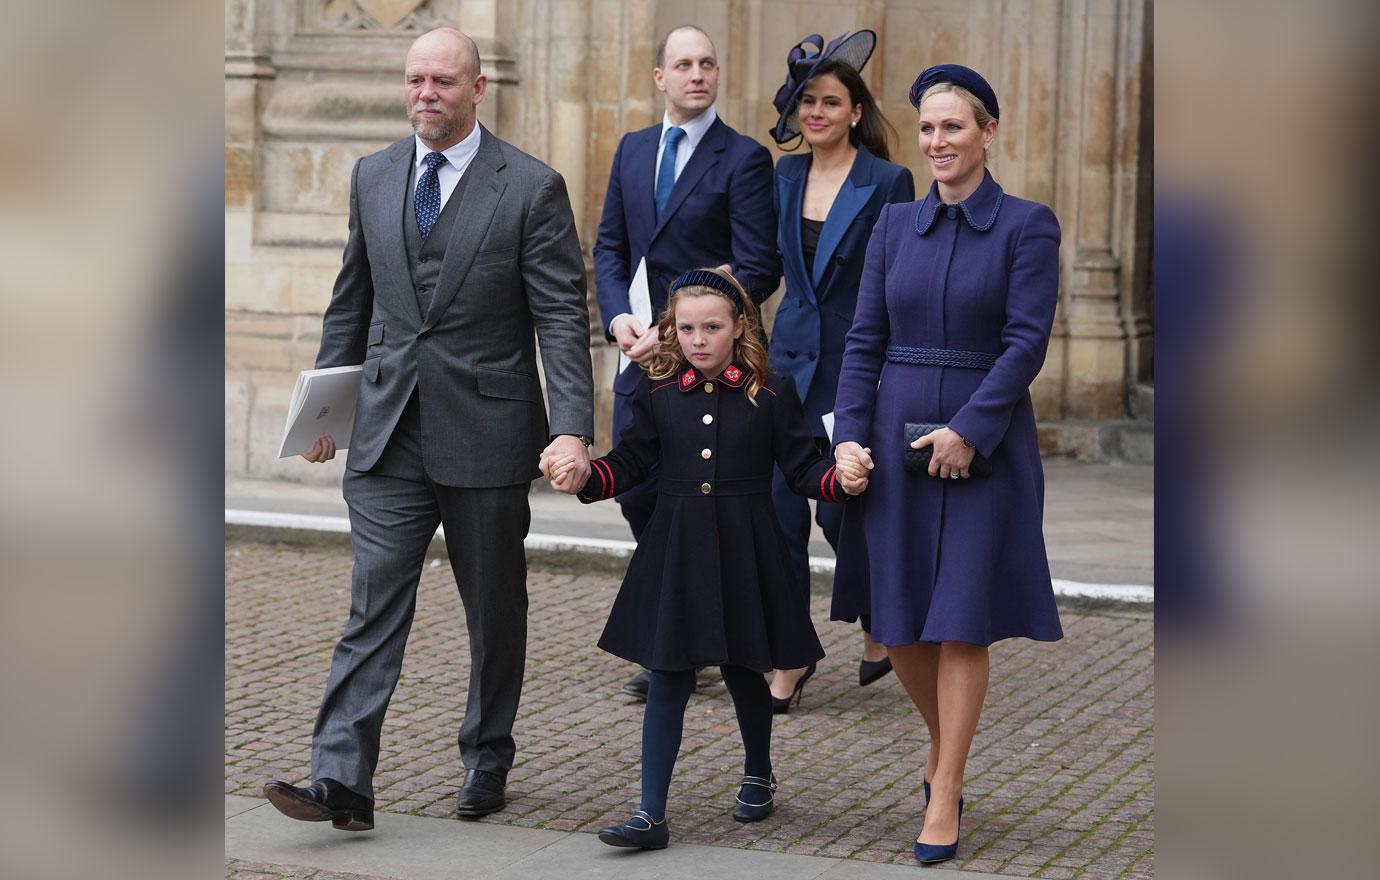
x=694 y=133
x=458 y=159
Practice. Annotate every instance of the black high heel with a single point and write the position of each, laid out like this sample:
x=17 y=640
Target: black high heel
x=872 y=670
x=782 y=705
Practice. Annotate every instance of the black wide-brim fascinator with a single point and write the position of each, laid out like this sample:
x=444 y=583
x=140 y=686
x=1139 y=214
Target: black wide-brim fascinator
x=802 y=61
x=960 y=76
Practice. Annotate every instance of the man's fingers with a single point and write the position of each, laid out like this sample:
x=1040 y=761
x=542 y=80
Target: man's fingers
x=322 y=450
x=644 y=345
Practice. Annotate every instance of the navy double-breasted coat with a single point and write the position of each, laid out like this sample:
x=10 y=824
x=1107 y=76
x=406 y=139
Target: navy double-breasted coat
x=950 y=560
x=814 y=317
x=710 y=581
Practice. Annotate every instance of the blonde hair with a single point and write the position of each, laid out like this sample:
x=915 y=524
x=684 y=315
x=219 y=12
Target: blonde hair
x=980 y=114
x=748 y=350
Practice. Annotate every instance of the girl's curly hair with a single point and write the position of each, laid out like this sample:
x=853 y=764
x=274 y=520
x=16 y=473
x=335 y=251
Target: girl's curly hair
x=748 y=350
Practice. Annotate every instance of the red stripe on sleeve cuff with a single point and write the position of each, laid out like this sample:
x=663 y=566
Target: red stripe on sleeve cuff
x=606 y=478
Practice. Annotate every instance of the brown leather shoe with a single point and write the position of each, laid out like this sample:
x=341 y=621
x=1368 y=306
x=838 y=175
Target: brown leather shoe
x=324 y=800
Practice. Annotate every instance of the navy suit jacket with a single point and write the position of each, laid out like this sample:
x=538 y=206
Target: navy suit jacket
x=720 y=211
x=807 y=339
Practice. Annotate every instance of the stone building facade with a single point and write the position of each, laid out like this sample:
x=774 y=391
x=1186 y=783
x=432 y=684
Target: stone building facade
x=311 y=85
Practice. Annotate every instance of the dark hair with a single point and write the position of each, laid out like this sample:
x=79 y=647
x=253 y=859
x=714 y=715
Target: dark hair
x=873 y=130
x=661 y=44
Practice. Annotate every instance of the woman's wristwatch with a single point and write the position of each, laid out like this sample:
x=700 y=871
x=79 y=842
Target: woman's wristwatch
x=964 y=439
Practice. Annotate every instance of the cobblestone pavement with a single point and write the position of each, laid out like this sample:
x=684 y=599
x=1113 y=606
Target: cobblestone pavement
x=1059 y=785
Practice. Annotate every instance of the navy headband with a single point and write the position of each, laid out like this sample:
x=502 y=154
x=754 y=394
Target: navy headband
x=960 y=76
x=706 y=278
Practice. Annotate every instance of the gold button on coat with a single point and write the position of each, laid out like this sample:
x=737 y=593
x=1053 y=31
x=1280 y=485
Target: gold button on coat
x=708 y=419
x=708 y=387
x=704 y=488
x=705 y=453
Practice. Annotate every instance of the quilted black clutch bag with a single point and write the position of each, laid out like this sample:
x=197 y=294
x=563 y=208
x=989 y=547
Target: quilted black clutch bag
x=918 y=460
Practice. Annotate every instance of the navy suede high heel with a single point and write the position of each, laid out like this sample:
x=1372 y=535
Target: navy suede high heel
x=930 y=853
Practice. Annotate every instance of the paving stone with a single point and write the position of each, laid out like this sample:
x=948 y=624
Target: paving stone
x=1059 y=779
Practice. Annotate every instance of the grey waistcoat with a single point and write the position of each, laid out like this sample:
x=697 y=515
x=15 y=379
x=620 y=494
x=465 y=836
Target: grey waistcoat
x=424 y=257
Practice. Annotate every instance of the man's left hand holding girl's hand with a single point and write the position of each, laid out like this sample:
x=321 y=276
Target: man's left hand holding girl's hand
x=563 y=473
x=565 y=463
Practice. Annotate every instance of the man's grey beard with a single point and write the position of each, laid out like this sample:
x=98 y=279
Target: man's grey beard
x=440 y=130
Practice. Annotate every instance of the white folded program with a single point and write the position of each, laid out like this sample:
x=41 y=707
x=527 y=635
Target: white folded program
x=323 y=402
x=640 y=300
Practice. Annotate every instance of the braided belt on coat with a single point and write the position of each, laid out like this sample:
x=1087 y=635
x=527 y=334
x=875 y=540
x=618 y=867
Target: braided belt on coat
x=940 y=357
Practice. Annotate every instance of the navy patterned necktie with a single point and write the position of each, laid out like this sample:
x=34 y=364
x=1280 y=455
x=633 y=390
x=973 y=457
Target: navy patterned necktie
x=666 y=173
x=426 y=202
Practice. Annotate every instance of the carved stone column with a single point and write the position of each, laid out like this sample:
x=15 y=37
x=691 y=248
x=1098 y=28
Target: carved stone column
x=1135 y=187
x=603 y=84
x=1096 y=346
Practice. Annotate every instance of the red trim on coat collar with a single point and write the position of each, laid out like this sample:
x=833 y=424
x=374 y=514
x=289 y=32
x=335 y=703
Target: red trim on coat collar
x=732 y=375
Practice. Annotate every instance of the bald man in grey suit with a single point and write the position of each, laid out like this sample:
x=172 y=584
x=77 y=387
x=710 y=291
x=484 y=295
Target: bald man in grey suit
x=462 y=253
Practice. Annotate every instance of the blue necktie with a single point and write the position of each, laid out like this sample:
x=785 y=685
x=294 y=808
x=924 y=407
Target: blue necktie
x=666 y=174
x=427 y=200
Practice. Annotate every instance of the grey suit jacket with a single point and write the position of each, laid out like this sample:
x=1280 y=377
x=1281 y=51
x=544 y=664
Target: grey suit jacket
x=512 y=266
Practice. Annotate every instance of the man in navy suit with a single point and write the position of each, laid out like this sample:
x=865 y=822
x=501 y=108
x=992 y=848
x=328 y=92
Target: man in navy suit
x=688 y=192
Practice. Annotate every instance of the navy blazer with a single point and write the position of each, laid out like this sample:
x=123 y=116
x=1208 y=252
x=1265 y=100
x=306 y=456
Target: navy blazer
x=807 y=339
x=720 y=211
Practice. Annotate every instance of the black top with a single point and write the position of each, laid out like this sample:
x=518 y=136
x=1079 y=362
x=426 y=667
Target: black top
x=809 y=240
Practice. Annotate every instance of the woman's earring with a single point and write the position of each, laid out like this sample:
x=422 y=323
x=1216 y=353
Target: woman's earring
x=853 y=124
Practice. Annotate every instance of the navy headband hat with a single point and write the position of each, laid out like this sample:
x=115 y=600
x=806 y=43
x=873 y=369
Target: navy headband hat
x=960 y=76
x=706 y=278
x=803 y=60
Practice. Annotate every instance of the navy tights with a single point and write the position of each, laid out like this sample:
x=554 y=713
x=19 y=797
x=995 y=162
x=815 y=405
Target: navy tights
x=667 y=695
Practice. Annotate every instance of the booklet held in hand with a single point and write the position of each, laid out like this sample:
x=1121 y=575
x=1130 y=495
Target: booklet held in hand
x=323 y=402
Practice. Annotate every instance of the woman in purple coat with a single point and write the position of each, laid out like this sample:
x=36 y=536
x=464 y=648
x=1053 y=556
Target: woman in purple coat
x=953 y=320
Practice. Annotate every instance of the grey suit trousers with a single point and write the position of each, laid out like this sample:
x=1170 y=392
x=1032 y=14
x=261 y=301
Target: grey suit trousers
x=394 y=512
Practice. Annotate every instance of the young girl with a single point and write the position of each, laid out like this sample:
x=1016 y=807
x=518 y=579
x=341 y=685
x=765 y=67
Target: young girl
x=710 y=581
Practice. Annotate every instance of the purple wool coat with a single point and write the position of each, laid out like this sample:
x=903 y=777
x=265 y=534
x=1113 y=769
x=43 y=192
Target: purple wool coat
x=936 y=560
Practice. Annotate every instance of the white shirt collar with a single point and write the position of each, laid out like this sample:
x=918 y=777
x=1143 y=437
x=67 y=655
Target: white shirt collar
x=694 y=129
x=458 y=155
